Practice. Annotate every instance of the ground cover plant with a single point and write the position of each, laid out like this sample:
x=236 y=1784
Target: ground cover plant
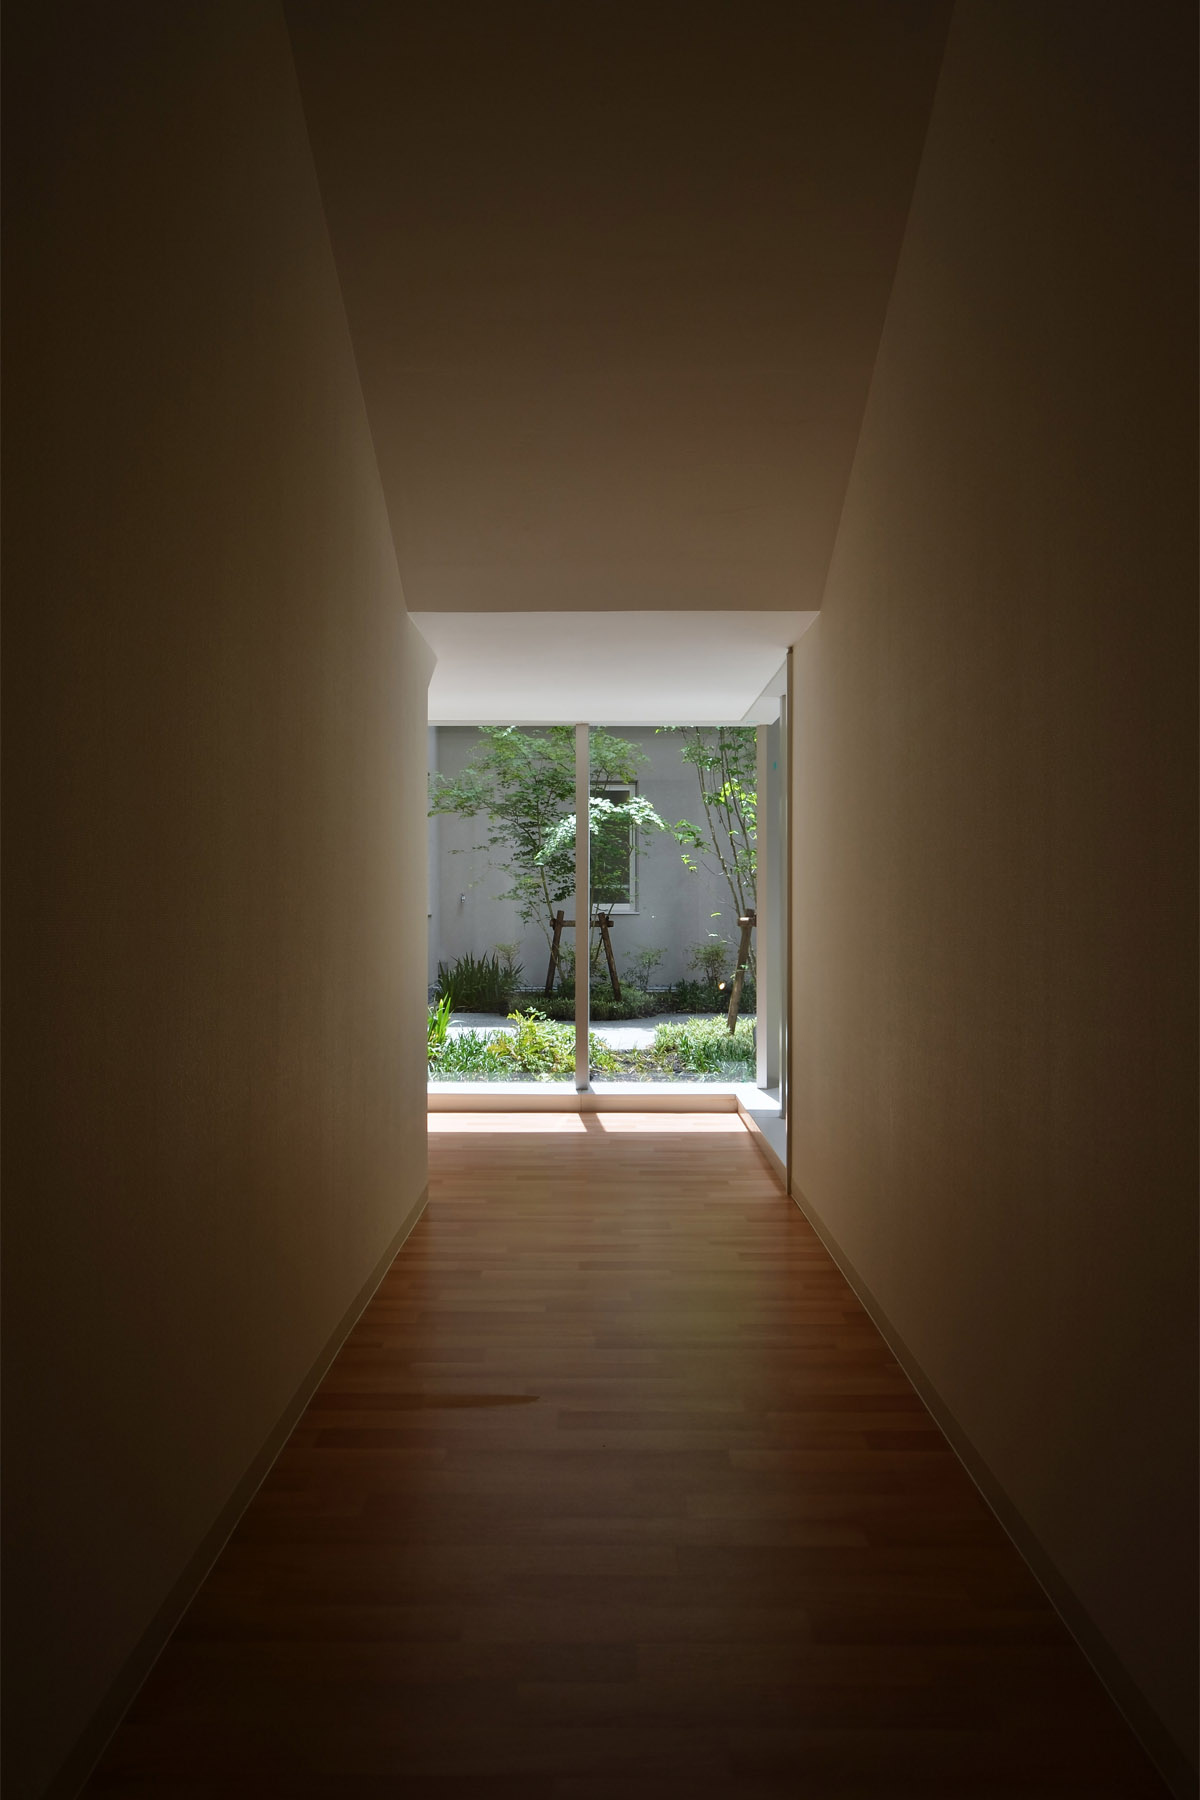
x=463 y=1057
x=541 y=1049
x=707 y=1047
x=536 y=1049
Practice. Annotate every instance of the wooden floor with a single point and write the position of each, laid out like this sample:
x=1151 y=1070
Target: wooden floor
x=615 y=1492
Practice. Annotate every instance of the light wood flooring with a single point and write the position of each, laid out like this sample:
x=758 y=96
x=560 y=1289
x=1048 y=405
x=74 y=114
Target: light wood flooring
x=615 y=1493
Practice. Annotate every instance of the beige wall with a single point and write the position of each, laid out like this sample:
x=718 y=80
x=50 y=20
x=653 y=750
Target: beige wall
x=995 y=801
x=215 y=809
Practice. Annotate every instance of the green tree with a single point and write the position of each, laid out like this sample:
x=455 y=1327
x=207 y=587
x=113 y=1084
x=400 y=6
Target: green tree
x=522 y=784
x=725 y=759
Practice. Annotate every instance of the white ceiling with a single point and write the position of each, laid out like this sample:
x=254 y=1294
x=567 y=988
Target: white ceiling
x=610 y=668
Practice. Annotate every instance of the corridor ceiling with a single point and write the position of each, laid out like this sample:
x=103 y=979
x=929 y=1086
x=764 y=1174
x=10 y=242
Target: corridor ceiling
x=610 y=668
x=615 y=276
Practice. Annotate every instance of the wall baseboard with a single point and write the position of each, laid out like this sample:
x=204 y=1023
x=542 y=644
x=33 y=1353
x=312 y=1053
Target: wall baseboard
x=92 y=1742
x=1168 y=1757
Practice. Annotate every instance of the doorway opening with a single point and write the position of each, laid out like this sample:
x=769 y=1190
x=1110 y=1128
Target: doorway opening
x=607 y=912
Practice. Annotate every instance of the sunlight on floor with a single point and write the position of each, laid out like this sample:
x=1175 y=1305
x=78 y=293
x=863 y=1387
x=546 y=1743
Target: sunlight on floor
x=447 y=1123
x=665 y=1122
x=444 y=1123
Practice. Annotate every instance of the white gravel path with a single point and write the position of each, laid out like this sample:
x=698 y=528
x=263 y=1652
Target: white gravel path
x=618 y=1034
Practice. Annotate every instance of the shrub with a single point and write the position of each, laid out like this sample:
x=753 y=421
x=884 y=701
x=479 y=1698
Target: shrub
x=694 y=997
x=710 y=958
x=709 y=997
x=536 y=1047
x=553 y=1006
x=705 y=1047
x=633 y=1004
x=479 y=984
x=643 y=963
x=512 y=969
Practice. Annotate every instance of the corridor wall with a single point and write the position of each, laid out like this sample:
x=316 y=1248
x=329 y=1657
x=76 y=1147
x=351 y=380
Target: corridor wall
x=994 y=1032
x=214 y=788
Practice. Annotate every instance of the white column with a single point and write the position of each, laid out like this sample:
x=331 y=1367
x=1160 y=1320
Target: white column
x=764 y=962
x=771 y=890
x=583 y=906
x=787 y=727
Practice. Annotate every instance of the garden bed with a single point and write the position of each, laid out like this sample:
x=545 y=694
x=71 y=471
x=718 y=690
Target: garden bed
x=536 y=1048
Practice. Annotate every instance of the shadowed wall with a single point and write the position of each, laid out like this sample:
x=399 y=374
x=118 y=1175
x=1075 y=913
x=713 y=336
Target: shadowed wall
x=215 y=815
x=995 y=805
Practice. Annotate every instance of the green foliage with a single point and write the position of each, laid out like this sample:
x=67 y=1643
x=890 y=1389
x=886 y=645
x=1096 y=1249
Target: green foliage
x=463 y=1057
x=478 y=984
x=695 y=997
x=513 y=970
x=539 y=1048
x=705 y=1046
x=637 y=1003
x=633 y=1004
x=643 y=963
x=555 y=1006
x=613 y=829
x=710 y=957
x=603 y=1060
x=439 y=1021
x=707 y=997
x=536 y=1047
x=600 y=983
x=725 y=758
x=522 y=784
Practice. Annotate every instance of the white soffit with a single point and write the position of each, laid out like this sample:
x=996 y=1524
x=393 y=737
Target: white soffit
x=605 y=668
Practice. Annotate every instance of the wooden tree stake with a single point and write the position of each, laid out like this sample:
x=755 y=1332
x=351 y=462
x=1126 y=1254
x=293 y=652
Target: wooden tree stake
x=558 y=922
x=604 y=920
x=747 y=922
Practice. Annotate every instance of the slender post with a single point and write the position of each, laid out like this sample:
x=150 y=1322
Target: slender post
x=765 y=961
x=583 y=907
x=789 y=782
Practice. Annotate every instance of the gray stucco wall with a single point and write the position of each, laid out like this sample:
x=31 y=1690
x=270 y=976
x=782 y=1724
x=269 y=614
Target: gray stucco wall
x=674 y=907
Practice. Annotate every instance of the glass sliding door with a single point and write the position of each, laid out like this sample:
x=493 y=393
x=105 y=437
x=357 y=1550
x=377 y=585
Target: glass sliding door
x=608 y=906
x=673 y=920
x=501 y=968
